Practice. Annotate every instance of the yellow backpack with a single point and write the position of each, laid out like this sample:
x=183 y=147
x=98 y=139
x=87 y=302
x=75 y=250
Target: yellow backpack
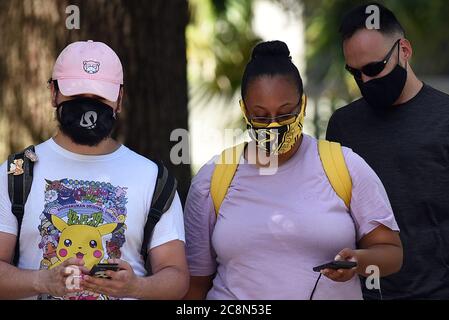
x=331 y=156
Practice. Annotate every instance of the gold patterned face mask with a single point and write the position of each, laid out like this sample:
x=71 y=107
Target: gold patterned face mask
x=279 y=136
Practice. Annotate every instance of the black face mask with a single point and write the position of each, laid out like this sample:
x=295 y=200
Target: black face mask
x=86 y=121
x=381 y=93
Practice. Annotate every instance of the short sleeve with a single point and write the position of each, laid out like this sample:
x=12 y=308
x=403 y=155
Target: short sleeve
x=370 y=206
x=333 y=132
x=171 y=225
x=8 y=222
x=199 y=218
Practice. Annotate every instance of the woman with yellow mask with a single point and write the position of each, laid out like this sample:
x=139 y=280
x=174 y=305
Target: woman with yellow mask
x=255 y=234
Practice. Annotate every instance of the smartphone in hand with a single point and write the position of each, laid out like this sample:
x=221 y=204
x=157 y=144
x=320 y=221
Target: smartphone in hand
x=335 y=265
x=99 y=270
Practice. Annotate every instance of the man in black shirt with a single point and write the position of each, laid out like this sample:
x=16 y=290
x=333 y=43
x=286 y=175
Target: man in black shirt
x=401 y=128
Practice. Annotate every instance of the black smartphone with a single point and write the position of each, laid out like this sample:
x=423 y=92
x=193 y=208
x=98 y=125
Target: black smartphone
x=335 y=265
x=99 y=270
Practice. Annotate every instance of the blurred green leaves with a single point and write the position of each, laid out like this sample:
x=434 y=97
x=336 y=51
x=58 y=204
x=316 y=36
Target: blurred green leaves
x=220 y=40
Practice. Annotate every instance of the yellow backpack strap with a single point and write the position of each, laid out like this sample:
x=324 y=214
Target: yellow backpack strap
x=225 y=168
x=334 y=165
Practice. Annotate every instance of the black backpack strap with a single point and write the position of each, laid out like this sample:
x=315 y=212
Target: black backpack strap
x=19 y=187
x=164 y=193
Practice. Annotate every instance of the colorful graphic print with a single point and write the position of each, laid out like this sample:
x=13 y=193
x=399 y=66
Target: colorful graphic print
x=82 y=219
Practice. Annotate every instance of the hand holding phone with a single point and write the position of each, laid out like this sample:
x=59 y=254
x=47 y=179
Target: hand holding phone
x=335 y=265
x=99 y=270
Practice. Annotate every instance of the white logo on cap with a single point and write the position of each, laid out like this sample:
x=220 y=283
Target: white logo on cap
x=89 y=120
x=91 y=66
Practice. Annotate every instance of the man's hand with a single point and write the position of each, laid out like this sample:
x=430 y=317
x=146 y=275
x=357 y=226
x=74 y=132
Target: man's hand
x=342 y=275
x=61 y=280
x=123 y=283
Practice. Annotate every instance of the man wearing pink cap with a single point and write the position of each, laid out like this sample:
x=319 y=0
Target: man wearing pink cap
x=89 y=200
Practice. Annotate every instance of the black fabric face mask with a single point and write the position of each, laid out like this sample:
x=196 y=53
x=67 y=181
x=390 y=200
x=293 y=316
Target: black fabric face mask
x=381 y=93
x=86 y=121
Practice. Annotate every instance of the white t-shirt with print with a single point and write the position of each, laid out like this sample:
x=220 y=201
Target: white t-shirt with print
x=94 y=207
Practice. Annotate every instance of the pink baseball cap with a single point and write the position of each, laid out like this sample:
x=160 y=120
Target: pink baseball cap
x=88 y=67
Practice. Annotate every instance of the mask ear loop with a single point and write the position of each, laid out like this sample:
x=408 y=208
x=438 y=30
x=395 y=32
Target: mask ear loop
x=59 y=111
x=399 y=56
x=303 y=105
x=243 y=108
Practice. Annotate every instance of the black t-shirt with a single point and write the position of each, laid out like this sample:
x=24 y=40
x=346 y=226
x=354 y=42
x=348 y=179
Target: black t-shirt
x=408 y=147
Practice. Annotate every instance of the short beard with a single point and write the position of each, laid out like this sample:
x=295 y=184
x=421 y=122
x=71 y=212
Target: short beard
x=85 y=140
x=83 y=136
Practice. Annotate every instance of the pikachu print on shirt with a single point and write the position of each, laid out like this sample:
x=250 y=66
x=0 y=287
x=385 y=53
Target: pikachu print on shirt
x=82 y=219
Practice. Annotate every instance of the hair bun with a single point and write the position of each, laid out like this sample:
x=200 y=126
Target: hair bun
x=275 y=49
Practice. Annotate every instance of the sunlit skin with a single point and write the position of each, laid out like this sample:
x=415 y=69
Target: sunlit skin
x=367 y=46
x=271 y=96
x=106 y=146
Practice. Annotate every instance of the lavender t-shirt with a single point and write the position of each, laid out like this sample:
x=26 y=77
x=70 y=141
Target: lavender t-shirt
x=273 y=229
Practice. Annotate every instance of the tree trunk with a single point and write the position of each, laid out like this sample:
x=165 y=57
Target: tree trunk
x=149 y=37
